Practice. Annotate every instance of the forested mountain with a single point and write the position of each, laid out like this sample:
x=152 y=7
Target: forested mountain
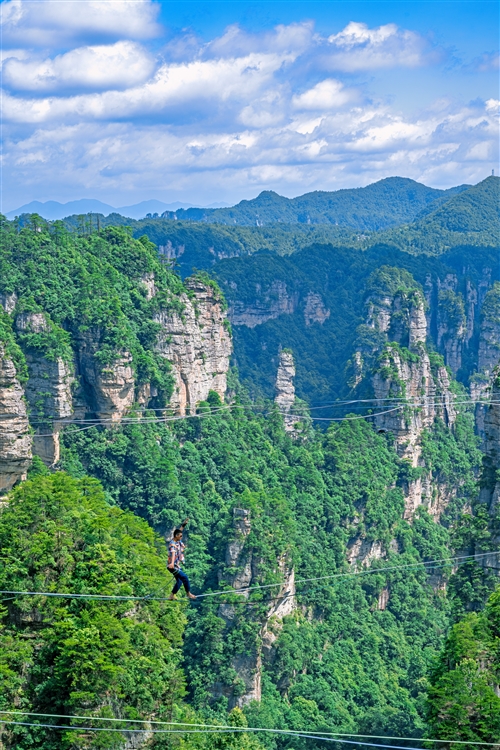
x=131 y=399
x=389 y=202
x=194 y=243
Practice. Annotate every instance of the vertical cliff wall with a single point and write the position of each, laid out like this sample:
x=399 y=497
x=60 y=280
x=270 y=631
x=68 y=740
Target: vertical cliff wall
x=490 y=481
x=198 y=345
x=285 y=389
x=75 y=373
x=411 y=387
x=243 y=569
x=15 y=438
x=48 y=389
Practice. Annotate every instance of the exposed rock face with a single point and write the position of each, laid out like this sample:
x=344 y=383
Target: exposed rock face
x=490 y=492
x=403 y=371
x=15 y=439
x=315 y=310
x=285 y=389
x=48 y=391
x=489 y=339
x=108 y=390
x=170 y=251
x=245 y=566
x=488 y=354
x=429 y=393
x=198 y=345
x=149 y=282
x=269 y=305
x=8 y=302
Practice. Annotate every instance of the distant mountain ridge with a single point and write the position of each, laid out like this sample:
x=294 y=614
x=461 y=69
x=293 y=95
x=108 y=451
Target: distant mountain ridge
x=381 y=205
x=52 y=210
x=384 y=204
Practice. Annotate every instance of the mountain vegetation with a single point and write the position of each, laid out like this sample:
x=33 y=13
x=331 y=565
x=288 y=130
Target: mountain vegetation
x=357 y=621
x=389 y=202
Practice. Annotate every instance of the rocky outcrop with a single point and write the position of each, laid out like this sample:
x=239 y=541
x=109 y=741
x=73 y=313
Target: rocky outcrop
x=488 y=354
x=49 y=396
x=411 y=378
x=315 y=310
x=107 y=390
x=149 y=282
x=242 y=571
x=490 y=480
x=171 y=252
x=15 y=438
x=8 y=301
x=268 y=305
x=48 y=391
x=410 y=392
x=452 y=328
x=198 y=345
x=285 y=389
x=489 y=338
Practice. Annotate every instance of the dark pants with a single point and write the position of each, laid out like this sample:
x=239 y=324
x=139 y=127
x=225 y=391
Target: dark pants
x=181 y=579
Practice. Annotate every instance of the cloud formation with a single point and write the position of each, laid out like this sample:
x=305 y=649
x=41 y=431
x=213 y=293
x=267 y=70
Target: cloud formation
x=358 y=47
x=99 y=111
x=115 y=66
x=53 y=23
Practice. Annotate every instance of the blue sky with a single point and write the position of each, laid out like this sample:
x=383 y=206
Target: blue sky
x=125 y=100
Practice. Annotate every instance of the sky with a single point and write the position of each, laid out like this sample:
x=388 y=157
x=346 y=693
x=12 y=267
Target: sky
x=203 y=102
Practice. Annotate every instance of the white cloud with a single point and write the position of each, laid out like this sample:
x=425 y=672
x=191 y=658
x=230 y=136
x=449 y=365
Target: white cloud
x=341 y=149
x=52 y=22
x=357 y=47
x=99 y=67
x=294 y=38
x=234 y=115
x=173 y=85
x=327 y=94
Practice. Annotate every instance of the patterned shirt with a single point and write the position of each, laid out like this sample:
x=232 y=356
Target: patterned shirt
x=176 y=553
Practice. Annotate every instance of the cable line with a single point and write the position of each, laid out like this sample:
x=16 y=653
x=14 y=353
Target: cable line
x=459 y=560
x=230 y=728
x=207 y=731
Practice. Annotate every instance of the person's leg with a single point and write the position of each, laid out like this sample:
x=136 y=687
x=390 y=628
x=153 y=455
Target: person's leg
x=185 y=582
x=177 y=584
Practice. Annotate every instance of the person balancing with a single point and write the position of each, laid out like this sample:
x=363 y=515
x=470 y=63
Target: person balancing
x=176 y=549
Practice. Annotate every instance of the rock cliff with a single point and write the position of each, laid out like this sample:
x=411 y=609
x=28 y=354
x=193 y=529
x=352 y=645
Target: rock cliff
x=285 y=389
x=15 y=438
x=192 y=335
x=411 y=390
x=315 y=310
x=48 y=390
x=268 y=304
x=490 y=481
x=106 y=389
x=198 y=345
x=488 y=354
x=242 y=570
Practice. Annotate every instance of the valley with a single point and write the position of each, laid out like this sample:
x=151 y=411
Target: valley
x=321 y=397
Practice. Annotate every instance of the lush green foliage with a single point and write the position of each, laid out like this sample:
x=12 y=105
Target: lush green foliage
x=90 y=284
x=343 y=277
x=83 y=657
x=9 y=345
x=463 y=698
x=341 y=659
x=386 y=203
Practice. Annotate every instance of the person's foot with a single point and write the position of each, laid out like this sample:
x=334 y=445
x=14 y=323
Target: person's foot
x=172 y=597
x=191 y=596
